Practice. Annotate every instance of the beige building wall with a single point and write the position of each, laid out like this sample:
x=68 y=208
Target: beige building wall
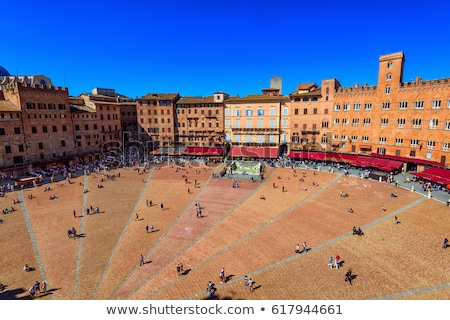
x=258 y=120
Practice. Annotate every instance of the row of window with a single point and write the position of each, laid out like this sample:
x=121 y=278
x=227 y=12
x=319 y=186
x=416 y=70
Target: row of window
x=259 y=112
x=44 y=106
x=155 y=112
x=21 y=147
x=414 y=143
x=33 y=130
x=161 y=103
x=401 y=123
x=198 y=105
x=259 y=138
x=181 y=111
x=402 y=105
x=305 y=99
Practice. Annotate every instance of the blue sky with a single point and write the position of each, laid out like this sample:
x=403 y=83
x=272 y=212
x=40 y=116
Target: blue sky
x=199 y=47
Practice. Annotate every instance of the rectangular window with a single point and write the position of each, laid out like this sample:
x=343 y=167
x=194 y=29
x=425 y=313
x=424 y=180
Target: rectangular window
x=418 y=105
x=345 y=122
x=16 y=130
x=54 y=129
x=356 y=106
x=398 y=141
x=416 y=123
x=355 y=122
x=385 y=106
x=44 y=129
x=284 y=123
x=21 y=148
x=365 y=138
x=296 y=110
x=335 y=122
x=2 y=131
x=40 y=145
x=337 y=107
x=445 y=146
x=431 y=144
x=434 y=123
x=272 y=123
x=305 y=111
x=414 y=143
x=346 y=106
x=384 y=122
x=249 y=123
x=436 y=104
x=447 y=125
x=367 y=106
x=382 y=140
x=401 y=123
x=8 y=149
x=403 y=105
x=366 y=122
x=63 y=143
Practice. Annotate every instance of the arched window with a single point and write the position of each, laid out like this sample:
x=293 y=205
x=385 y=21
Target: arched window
x=260 y=112
x=238 y=112
x=248 y=112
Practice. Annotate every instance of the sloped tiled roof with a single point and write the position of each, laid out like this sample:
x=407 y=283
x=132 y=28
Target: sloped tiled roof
x=8 y=106
x=160 y=96
x=258 y=98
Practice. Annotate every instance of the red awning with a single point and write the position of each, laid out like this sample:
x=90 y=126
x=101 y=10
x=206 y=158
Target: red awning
x=437 y=175
x=409 y=160
x=203 y=151
x=254 y=152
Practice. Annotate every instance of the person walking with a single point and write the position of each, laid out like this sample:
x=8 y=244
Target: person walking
x=151 y=228
x=330 y=262
x=137 y=217
x=245 y=280
x=445 y=244
x=162 y=205
x=305 y=248
x=146 y=228
x=250 y=284
x=74 y=214
x=141 y=260
x=337 y=261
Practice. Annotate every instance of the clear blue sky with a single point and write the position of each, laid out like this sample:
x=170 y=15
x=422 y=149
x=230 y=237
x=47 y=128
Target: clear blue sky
x=199 y=47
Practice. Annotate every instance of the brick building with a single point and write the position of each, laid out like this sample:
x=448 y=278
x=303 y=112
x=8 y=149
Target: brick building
x=40 y=127
x=200 y=120
x=97 y=124
x=311 y=116
x=156 y=119
x=394 y=118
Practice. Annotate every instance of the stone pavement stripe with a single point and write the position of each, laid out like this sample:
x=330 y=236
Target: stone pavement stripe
x=162 y=237
x=80 y=243
x=256 y=230
x=413 y=292
x=26 y=217
x=325 y=244
x=108 y=263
